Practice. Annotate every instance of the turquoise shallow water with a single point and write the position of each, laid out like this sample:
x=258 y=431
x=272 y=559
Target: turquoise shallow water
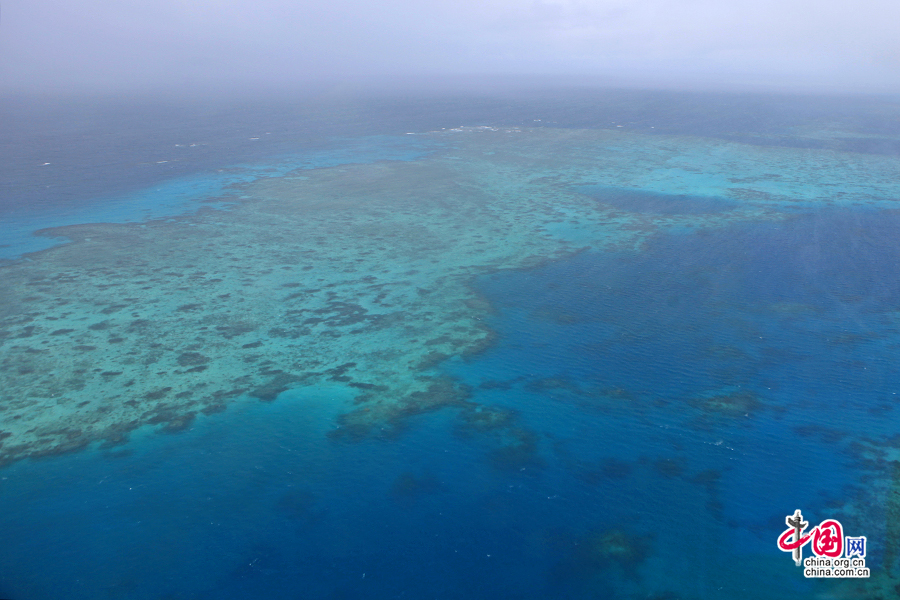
x=172 y=197
x=639 y=427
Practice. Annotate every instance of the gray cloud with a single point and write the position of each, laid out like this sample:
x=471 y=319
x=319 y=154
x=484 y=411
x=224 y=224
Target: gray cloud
x=107 y=44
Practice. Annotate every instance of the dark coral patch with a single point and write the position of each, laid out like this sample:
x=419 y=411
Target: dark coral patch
x=484 y=418
x=180 y=422
x=368 y=386
x=235 y=329
x=275 y=386
x=737 y=404
x=27 y=331
x=617 y=548
x=337 y=373
x=187 y=359
x=117 y=435
x=212 y=409
x=388 y=419
x=157 y=394
x=174 y=419
x=709 y=480
x=598 y=557
x=139 y=325
x=439 y=394
x=519 y=452
x=669 y=467
x=113 y=308
x=342 y=314
x=189 y=307
x=480 y=345
x=431 y=360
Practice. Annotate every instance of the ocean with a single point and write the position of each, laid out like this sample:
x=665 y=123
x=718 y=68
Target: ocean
x=561 y=344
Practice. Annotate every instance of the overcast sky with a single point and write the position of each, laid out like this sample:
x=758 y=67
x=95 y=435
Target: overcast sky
x=846 y=45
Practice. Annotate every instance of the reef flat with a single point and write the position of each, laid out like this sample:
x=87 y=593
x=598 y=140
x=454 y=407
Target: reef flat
x=356 y=274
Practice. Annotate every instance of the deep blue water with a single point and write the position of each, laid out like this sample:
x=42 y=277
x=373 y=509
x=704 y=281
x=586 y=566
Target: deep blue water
x=127 y=160
x=610 y=365
x=602 y=358
x=795 y=315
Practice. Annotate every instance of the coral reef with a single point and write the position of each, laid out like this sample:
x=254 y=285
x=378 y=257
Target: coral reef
x=518 y=451
x=598 y=558
x=368 y=265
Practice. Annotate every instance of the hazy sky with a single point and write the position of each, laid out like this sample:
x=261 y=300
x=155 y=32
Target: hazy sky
x=847 y=45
